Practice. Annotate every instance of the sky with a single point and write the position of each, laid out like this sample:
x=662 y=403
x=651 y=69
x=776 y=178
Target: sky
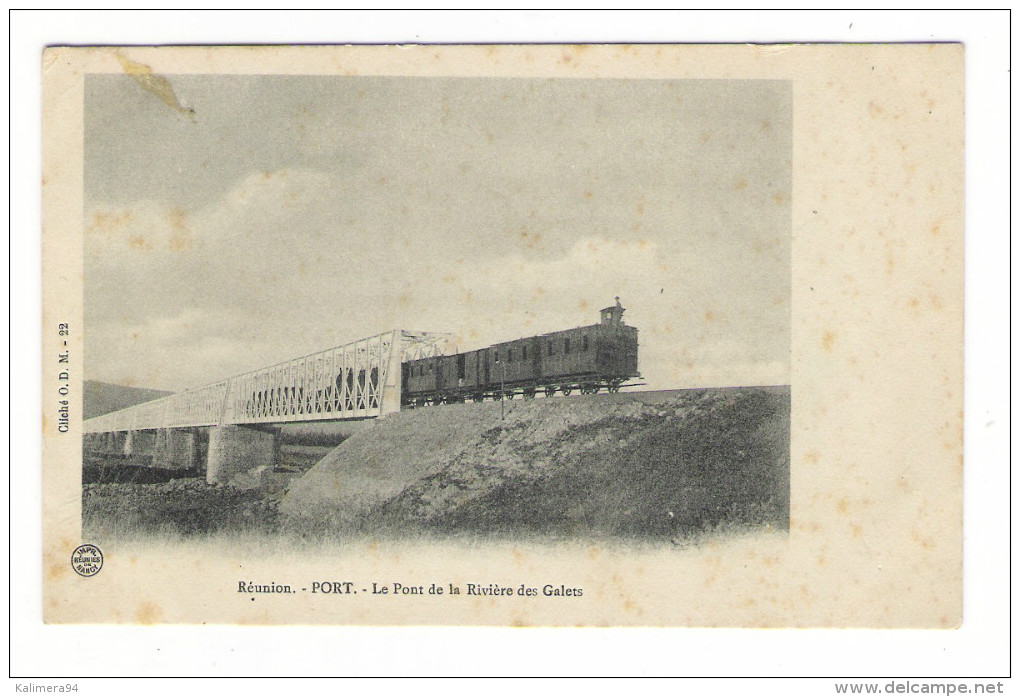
x=283 y=215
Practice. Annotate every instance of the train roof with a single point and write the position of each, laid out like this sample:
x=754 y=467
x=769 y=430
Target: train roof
x=595 y=327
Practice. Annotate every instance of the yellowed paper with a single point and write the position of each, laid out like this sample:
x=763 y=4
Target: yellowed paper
x=846 y=221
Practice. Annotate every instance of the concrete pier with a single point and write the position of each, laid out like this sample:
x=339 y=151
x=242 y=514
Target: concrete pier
x=111 y=443
x=139 y=443
x=234 y=450
x=175 y=448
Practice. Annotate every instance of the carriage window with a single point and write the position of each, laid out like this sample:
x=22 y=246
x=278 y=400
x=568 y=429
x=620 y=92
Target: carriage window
x=550 y=347
x=584 y=342
x=461 y=366
x=496 y=352
x=566 y=346
x=524 y=352
x=509 y=355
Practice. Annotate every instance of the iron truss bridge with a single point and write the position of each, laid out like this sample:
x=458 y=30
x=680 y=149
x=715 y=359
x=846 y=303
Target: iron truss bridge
x=358 y=380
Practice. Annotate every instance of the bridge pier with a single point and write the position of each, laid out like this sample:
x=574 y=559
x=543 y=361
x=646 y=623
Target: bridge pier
x=111 y=442
x=175 y=448
x=234 y=450
x=139 y=443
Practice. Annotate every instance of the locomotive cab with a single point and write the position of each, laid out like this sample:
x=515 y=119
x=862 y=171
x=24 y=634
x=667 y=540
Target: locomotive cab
x=613 y=315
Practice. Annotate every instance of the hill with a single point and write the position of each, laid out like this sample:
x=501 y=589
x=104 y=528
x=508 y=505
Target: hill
x=664 y=465
x=103 y=397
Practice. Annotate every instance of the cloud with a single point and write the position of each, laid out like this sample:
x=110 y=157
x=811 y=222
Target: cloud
x=294 y=260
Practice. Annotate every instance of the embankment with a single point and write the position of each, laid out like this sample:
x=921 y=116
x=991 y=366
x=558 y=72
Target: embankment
x=654 y=465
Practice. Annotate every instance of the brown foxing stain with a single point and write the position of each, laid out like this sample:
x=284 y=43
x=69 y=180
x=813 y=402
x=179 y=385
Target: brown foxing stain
x=180 y=235
x=924 y=542
x=841 y=506
x=828 y=340
x=855 y=530
x=53 y=572
x=709 y=316
x=778 y=199
x=155 y=84
x=107 y=222
x=740 y=184
x=587 y=194
x=874 y=109
x=148 y=613
x=532 y=240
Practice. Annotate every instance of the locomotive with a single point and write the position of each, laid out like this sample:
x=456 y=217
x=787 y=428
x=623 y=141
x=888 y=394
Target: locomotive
x=587 y=359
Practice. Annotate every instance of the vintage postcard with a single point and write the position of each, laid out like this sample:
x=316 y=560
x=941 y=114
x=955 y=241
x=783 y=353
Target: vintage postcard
x=503 y=335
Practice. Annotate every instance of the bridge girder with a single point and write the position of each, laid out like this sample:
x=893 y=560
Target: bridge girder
x=358 y=380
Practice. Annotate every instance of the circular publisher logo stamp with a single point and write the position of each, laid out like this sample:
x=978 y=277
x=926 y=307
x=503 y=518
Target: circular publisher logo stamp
x=87 y=560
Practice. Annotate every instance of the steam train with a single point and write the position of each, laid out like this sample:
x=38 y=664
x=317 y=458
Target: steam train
x=587 y=359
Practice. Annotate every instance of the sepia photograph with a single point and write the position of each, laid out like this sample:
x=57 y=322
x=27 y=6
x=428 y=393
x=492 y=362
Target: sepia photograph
x=361 y=307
